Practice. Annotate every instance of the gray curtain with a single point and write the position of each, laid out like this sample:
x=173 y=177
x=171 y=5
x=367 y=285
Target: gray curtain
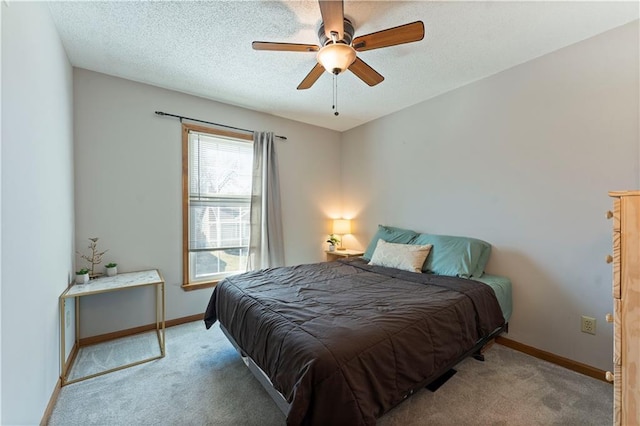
x=266 y=244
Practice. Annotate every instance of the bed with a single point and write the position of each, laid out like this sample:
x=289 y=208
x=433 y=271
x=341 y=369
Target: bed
x=343 y=342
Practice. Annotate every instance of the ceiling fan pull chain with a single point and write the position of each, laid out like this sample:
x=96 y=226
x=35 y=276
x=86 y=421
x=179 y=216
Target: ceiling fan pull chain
x=335 y=95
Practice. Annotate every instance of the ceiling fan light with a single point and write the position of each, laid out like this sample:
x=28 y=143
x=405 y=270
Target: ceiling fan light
x=336 y=57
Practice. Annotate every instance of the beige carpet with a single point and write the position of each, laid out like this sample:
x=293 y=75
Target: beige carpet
x=97 y=358
x=202 y=381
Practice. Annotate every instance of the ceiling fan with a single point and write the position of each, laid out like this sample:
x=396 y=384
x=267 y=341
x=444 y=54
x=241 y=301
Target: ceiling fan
x=338 y=49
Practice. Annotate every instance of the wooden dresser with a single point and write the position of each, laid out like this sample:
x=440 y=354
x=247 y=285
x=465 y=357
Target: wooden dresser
x=626 y=306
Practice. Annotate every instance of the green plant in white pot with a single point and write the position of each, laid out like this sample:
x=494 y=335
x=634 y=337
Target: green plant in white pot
x=82 y=276
x=333 y=240
x=112 y=269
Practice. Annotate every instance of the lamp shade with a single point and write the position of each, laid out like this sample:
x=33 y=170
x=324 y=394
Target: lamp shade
x=341 y=226
x=336 y=57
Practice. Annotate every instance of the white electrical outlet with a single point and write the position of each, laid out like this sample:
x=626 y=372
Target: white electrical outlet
x=588 y=325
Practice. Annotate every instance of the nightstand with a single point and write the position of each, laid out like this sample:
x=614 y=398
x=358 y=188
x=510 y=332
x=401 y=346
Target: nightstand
x=335 y=255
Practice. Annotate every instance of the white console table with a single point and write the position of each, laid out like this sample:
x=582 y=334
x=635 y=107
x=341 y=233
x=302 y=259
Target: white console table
x=121 y=281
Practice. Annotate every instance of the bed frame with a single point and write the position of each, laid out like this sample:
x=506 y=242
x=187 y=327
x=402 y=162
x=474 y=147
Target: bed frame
x=432 y=383
x=262 y=377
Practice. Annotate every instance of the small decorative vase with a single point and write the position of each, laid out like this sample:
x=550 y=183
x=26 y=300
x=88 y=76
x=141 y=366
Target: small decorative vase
x=332 y=247
x=82 y=279
x=112 y=272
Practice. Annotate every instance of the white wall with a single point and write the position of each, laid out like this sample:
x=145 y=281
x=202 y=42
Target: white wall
x=128 y=188
x=524 y=160
x=37 y=206
x=1 y=12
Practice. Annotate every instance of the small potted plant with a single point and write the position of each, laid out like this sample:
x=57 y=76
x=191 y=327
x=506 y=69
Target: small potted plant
x=82 y=276
x=333 y=240
x=112 y=269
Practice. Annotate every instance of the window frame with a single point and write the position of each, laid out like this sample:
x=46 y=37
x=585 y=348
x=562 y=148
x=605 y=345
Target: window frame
x=186 y=128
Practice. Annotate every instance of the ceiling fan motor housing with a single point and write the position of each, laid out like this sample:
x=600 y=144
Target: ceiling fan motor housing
x=348 y=34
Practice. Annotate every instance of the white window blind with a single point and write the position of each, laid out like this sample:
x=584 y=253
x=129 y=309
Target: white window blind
x=219 y=201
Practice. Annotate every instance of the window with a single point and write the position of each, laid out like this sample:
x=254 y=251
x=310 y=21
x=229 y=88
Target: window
x=216 y=185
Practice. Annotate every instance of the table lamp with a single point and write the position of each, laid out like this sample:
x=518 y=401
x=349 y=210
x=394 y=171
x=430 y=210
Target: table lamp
x=341 y=227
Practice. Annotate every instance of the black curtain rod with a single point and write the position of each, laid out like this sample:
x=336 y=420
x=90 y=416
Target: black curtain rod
x=214 y=124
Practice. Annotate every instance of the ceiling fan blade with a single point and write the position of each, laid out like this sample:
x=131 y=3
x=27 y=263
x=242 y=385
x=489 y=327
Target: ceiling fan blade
x=365 y=72
x=390 y=37
x=284 y=47
x=311 y=78
x=333 y=17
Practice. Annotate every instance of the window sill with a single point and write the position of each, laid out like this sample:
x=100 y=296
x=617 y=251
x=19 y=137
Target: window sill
x=199 y=286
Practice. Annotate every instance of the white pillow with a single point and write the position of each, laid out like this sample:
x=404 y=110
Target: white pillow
x=408 y=257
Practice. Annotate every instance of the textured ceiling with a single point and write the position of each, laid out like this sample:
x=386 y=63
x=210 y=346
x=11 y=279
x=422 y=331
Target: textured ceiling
x=204 y=48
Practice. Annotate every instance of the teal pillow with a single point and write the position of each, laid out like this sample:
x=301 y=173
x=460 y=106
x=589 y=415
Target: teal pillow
x=455 y=256
x=389 y=234
x=484 y=259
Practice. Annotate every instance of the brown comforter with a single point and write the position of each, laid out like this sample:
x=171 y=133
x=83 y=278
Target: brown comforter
x=344 y=341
